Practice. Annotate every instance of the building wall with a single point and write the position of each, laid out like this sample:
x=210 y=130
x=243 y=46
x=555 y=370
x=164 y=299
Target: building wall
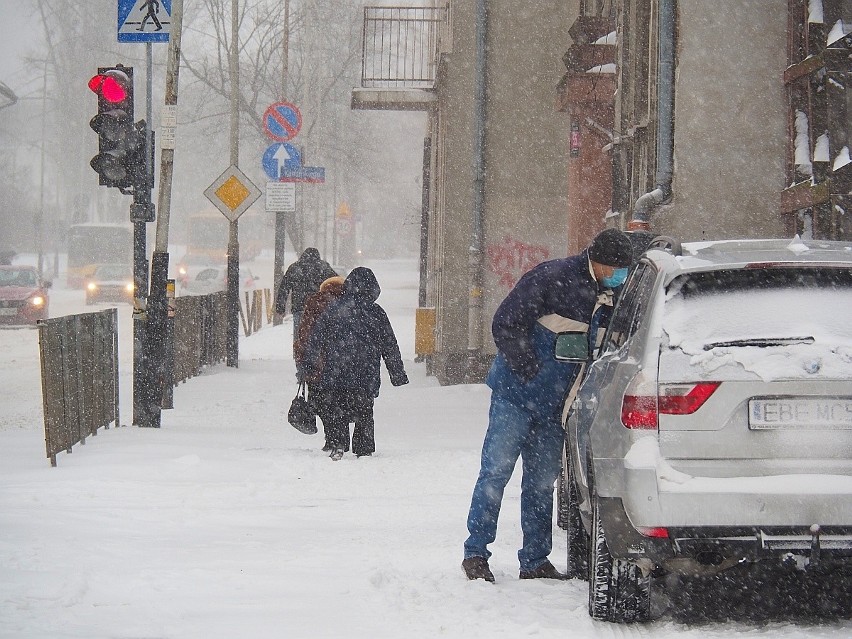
x=526 y=160
x=730 y=121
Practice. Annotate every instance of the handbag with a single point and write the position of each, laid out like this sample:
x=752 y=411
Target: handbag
x=301 y=416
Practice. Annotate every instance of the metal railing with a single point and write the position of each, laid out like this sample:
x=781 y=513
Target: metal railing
x=401 y=45
x=79 y=377
x=199 y=333
x=252 y=314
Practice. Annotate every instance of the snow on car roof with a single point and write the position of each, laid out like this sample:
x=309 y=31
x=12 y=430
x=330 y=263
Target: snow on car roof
x=697 y=256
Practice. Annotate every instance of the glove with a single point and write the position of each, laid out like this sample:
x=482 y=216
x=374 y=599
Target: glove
x=399 y=380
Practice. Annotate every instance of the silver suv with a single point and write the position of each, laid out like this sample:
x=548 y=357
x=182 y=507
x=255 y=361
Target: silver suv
x=714 y=428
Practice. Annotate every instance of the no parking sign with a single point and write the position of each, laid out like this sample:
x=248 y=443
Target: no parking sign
x=282 y=121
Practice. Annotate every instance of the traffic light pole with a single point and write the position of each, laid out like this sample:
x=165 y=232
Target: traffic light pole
x=124 y=161
x=140 y=282
x=143 y=212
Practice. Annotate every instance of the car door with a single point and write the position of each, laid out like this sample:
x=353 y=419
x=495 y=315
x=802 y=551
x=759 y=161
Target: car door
x=598 y=398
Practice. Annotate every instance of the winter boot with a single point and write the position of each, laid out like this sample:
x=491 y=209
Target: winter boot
x=544 y=571
x=477 y=568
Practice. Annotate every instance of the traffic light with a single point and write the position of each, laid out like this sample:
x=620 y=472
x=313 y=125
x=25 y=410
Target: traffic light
x=119 y=150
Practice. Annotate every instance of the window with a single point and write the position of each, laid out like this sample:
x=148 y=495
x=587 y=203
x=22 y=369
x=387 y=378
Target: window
x=631 y=307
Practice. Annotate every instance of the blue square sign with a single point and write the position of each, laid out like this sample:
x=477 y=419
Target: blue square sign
x=144 y=20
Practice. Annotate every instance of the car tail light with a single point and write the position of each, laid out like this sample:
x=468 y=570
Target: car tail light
x=639 y=404
x=656 y=532
x=684 y=399
x=641 y=410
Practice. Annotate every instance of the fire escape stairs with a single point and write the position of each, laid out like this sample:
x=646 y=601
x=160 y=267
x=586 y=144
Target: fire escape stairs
x=828 y=185
x=584 y=83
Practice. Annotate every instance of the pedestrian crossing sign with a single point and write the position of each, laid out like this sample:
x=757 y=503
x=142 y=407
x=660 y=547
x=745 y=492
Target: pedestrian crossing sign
x=144 y=20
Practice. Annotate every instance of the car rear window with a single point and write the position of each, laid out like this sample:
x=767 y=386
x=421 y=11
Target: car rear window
x=777 y=321
x=18 y=277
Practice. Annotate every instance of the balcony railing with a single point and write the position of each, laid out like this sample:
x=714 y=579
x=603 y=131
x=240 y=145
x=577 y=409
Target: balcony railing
x=401 y=45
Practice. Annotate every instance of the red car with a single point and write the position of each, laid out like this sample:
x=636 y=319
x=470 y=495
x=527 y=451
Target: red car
x=23 y=295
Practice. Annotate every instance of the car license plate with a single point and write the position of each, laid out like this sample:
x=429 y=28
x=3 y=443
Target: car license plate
x=828 y=413
x=8 y=311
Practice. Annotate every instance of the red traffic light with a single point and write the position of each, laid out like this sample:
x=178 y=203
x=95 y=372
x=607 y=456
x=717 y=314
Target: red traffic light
x=112 y=86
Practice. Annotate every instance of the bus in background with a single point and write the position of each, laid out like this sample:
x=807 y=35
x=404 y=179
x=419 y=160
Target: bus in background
x=206 y=234
x=92 y=244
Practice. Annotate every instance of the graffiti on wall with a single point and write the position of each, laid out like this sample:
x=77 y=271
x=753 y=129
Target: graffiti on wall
x=512 y=258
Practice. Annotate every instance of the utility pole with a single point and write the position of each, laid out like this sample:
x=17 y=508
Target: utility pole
x=40 y=218
x=232 y=340
x=157 y=302
x=280 y=216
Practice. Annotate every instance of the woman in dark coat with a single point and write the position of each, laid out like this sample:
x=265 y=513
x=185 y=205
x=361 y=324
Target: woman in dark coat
x=344 y=352
x=316 y=304
x=302 y=278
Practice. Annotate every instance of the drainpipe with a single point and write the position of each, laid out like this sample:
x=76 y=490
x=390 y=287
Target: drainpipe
x=665 y=123
x=475 y=253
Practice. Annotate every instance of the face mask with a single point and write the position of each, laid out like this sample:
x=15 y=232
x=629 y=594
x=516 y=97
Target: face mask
x=616 y=279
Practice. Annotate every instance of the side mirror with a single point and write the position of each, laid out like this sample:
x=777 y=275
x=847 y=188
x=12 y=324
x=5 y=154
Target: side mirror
x=571 y=347
x=47 y=284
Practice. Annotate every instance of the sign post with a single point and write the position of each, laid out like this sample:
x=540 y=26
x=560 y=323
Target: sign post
x=282 y=163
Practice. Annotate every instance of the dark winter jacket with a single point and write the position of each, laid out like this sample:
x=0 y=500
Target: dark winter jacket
x=315 y=306
x=554 y=297
x=350 y=339
x=302 y=278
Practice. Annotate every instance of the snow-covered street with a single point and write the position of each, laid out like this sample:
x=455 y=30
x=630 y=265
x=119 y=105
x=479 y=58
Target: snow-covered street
x=227 y=522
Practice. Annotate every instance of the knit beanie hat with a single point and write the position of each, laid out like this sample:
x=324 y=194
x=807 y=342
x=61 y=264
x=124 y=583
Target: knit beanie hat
x=611 y=247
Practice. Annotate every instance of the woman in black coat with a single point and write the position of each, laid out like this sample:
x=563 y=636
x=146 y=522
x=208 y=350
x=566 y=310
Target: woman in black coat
x=346 y=348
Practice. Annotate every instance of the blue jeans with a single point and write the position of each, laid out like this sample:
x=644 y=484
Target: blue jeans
x=512 y=432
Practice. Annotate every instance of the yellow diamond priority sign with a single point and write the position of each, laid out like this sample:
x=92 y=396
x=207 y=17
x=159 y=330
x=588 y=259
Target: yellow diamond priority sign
x=232 y=193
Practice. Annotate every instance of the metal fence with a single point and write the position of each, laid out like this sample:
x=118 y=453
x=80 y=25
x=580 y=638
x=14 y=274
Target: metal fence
x=79 y=377
x=400 y=46
x=199 y=333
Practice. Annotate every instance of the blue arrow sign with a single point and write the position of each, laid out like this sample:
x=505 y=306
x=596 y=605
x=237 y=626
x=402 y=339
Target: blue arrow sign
x=144 y=20
x=280 y=156
x=283 y=162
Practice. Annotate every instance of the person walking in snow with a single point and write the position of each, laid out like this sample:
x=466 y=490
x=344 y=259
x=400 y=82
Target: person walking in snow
x=315 y=306
x=301 y=279
x=344 y=354
x=530 y=390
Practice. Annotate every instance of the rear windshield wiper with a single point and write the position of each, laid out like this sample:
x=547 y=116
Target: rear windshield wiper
x=761 y=342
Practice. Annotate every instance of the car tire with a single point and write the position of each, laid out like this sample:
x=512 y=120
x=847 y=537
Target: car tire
x=618 y=591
